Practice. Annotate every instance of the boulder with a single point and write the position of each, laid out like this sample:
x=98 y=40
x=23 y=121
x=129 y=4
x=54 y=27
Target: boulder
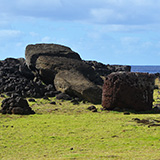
x=63 y=96
x=128 y=90
x=77 y=85
x=92 y=108
x=16 y=105
x=62 y=67
x=33 y=52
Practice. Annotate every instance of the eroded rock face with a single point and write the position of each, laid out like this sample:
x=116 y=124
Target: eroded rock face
x=33 y=52
x=128 y=90
x=76 y=84
x=16 y=105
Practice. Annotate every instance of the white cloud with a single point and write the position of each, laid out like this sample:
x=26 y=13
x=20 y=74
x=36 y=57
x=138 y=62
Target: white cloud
x=46 y=39
x=35 y=3
x=130 y=40
x=19 y=44
x=33 y=34
x=9 y=33
x=134 y=12
x=104 y=15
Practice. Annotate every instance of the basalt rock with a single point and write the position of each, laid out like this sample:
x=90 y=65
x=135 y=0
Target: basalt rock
x=92 y=108
x=63 y=96
x=16 y=105
x=104 y=70
x=128 y=90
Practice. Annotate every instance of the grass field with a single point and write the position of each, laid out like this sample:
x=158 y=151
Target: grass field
x=66 y=132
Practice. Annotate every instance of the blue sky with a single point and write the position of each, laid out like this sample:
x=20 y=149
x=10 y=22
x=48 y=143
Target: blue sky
x=108 y=31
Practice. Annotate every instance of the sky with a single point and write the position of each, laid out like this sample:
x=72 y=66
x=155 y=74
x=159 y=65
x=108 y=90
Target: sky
x=123 y=32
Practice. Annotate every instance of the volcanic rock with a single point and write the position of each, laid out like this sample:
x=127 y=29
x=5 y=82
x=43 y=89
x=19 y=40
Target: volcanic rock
x=92 y=108
x=63 y=96
x=104 y=70
x=128 y=90
x=17 y=79
x=16 y=105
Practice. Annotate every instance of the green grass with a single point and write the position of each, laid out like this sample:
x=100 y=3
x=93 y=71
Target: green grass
x=65 y=132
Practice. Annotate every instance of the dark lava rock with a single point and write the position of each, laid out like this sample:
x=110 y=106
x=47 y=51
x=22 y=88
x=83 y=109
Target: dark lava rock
x=128 y=90
x=126 y=113
x=92 y=108
x=16 y=105
x=3 y=96
x=104 y=70
x=63 y=96
x=75 y=102
x=54 y=103
x=16 y=79
x=46 y=98
x=31 y=100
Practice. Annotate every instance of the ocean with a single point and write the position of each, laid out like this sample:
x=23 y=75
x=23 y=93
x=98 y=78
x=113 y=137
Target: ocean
x=148 y=69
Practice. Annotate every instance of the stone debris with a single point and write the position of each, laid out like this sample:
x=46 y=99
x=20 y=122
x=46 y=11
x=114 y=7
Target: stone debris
x=16 y=105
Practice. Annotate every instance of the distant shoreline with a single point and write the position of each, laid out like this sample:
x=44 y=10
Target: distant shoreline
x=145 y=68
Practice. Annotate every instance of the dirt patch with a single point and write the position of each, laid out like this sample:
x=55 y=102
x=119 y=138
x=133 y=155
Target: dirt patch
x=149 y=122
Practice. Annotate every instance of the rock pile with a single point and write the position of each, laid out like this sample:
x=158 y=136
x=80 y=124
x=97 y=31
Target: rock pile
x=16 y=78
x=128 y=90
x=16 y=105
x=104 y=70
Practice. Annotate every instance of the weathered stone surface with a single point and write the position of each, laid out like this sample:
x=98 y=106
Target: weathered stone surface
x=47 y=67
x=51 y=50
x=128 y=90
x=75 y=84
x=16 y=105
